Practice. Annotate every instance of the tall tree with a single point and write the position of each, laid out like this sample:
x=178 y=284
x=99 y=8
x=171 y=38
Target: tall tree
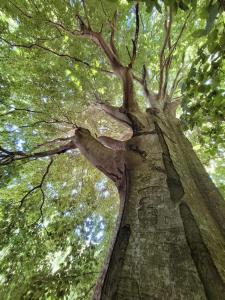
x=105 y=80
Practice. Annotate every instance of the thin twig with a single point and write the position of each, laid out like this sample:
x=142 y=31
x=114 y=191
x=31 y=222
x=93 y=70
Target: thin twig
x=86 y=14
x=38 y=186
x=112 y=35
x=173 y=47
x=20 y=109
x=64 y=55
x=7 y=157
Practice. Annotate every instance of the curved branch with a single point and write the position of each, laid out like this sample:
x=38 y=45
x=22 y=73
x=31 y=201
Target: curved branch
x=124 y=73
x=116 y=113
x=110 y=162
x=111 y=143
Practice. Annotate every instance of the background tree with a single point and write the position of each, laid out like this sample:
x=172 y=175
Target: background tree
x=64 y=64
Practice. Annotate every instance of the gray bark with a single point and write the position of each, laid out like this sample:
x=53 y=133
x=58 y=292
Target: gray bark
x=169 y=241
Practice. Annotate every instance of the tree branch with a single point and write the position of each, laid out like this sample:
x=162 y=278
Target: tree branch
x=111 y=143
x=112 y=35
x=167 y=26
x=97 y=38
x=38 y=186
x=20 y=109
x=7 y=157
x=124 y=73
x=150 y=95
x=173 y=47
x=86 y=14
x=176 y=81
x=171 y=107
x=116 y=113
x=64 y=55
x=21 y=10
x=53 y=141
x=110 y=162
x=135 y=40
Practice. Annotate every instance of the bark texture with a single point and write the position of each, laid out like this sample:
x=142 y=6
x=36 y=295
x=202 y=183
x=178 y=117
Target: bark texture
x=169 y=241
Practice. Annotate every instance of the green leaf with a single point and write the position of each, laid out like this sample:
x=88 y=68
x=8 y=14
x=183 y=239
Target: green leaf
x=213 y=11
x=199 y=33
x=183 y=6
x=158 y=7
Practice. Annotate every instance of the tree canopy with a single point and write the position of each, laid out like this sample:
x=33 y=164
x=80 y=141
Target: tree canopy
x=57 y=212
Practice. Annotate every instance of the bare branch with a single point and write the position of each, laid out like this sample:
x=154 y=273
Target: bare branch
x=128 y=52
x=103 y=9
x=166 y=76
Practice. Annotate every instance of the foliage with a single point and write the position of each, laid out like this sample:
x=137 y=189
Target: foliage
x=54 y=240
x=204 y=88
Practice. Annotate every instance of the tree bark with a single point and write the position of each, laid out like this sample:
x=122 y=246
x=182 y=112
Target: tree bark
x=170 y=235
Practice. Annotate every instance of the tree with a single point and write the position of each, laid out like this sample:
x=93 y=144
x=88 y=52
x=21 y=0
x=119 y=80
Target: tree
x=105 y=79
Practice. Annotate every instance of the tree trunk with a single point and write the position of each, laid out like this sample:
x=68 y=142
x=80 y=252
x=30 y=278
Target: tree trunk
x=170 y=236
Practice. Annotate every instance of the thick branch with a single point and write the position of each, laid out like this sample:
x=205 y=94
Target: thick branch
x=115 y=112
x=97 y=38
x=111 y=143
x=150 y=95
x=171 y=107
x=124 y=73
x=110 y=162
x=129 y=103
